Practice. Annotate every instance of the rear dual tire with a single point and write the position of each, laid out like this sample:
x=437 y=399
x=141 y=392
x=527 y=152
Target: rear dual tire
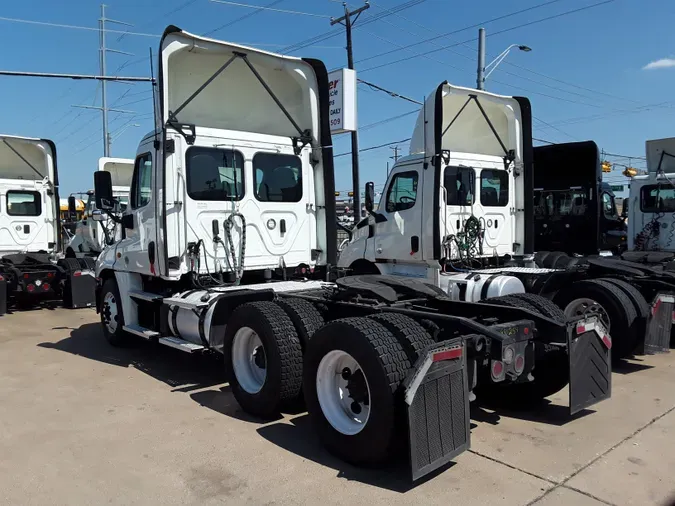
x=353 y=368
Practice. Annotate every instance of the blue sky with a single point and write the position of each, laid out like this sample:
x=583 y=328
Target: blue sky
x=589 y=80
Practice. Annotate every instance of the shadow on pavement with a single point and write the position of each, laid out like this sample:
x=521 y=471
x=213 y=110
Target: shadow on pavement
x=543 y=412
x=177 y=369
x=630 y=366
x=298 y=437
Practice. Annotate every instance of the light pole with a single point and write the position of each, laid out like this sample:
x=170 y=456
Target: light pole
x=490 y=67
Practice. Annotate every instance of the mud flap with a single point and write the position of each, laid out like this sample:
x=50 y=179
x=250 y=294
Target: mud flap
x=659 y=324
x=79 y=289
x=436 y=393
x=589 y=350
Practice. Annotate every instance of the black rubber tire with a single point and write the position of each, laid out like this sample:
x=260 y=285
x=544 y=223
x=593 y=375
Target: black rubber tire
x=553 y=258
x=70 y=265
x=384 y=363
x=87 y=263
x=283 y=354
x=544 y=306
x=119 y=337
x=540 y=257
x=409 y=333
x=306 y=318
x=511 y=301
x=639 y=302
x=618 y=306
x=70 y=253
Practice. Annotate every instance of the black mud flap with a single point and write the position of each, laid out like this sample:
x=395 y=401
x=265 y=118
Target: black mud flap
x=589 y=346
x=659 y=324
x=80 y=289
x=436 y=394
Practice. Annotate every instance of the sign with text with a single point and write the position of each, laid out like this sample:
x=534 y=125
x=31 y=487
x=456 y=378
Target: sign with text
x=616 y=187
x=342 y=95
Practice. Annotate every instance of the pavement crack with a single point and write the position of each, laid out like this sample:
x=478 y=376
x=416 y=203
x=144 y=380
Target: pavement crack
x=593 y=461
x=510 y=466
x=587 y=494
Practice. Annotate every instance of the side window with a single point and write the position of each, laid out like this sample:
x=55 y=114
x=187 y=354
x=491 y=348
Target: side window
x=608 y=205
x=23 y=203
x=215 y=174
x=277 y=178
x=460 y=184
x=141 y=186
x=494 y=188
x=655 y=199
x=402 y=193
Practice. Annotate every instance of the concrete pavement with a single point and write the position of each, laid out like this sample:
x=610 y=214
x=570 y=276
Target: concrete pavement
x=84 y=423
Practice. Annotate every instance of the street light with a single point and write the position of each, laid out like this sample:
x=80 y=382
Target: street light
x=490 y=67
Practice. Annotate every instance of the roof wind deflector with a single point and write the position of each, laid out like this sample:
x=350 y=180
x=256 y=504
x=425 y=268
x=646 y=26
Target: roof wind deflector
x=510 y=154
x=24 y=159
x=188 y=131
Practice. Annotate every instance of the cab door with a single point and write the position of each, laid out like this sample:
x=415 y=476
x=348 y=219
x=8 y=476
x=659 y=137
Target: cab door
x=139 y=219
x=398 y=223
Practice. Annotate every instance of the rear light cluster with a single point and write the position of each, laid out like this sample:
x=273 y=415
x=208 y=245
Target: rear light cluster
x=512 y=361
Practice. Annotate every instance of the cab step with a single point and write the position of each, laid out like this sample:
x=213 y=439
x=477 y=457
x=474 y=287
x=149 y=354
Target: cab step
x=145 y=296
x=180 y=344
x=141 y=331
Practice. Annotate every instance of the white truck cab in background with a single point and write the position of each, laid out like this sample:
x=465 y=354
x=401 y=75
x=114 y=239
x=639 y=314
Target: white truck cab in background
x=93 y=231
x=460 y=196
x=651 y=204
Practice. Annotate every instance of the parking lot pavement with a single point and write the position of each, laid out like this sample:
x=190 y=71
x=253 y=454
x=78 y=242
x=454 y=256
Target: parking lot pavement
x=84 y=423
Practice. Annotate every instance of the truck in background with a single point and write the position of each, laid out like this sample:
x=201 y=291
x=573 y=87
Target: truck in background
x=94 y=231
x=459 y=213
x=30 y=229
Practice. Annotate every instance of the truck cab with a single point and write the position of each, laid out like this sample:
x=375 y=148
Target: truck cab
x=93 y=231
x=574 y=211
x=460 y=196
x=651 y=204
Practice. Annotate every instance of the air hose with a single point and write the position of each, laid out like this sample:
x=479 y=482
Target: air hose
x=237 y=265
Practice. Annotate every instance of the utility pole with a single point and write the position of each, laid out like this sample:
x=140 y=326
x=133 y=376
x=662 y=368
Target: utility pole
x=396 y=155
x=480 y=78
x=346 y=20
x=102 y=65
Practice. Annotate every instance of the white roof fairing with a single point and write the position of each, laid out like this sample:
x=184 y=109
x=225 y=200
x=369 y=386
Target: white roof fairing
x=121 y=170
x=235 y=99
x=26 y=158
x=470 y=132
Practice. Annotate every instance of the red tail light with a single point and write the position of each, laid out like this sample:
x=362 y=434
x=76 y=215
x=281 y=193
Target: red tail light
x=1 y=278
x=497 y=370
x=77 y=273
x=26 y=276
x=519 y=365
x=46 y=286
x=31 y=288
x=50 y=275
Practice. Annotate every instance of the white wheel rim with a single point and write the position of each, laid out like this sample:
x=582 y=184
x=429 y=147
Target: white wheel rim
x=110 y=312
x=249 y=360
x=347 y=415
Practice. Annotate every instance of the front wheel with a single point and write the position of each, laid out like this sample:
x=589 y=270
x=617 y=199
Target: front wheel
x=353 y=368
x=112 y=317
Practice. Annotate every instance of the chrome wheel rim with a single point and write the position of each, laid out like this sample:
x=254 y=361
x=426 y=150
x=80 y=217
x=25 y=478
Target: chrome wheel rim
x=110 y=312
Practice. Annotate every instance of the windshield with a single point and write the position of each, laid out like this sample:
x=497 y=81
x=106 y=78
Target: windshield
x=560 y=203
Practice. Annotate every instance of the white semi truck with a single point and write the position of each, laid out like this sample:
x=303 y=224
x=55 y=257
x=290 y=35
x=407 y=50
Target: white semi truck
x=458 y=213
x=229 y=246
x=94 y=230
x=30 y=229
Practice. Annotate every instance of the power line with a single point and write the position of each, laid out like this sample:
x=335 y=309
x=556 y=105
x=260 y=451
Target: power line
x=522 y=25
x=333 y=33
x=459 y=30
x=74 y=27
x=555 y=128
x=373 y=147
x=242 y=18
x=389 y=92
x=283 y=11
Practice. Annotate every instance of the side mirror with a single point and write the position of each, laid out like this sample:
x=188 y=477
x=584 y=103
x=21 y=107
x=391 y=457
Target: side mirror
x=624 y=209
x=97 y=215
x=72 y=205
x=370 y=196
x=103 y=190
